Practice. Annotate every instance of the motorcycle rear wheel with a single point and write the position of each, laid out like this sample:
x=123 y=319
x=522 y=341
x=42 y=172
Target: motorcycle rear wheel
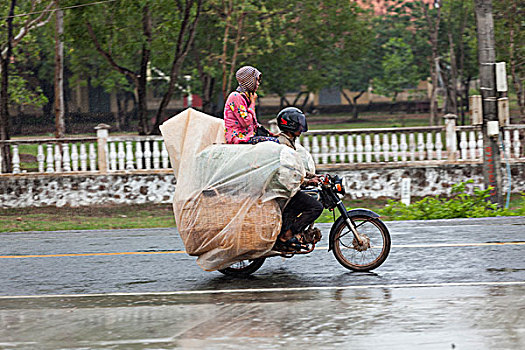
x=243 y=268
x=362 y=258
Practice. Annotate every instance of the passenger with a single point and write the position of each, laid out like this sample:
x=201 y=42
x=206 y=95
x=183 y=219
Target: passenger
x=302 y=209
x=240 y=122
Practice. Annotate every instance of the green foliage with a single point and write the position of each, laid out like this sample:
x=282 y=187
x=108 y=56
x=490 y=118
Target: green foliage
x=23 y=66
x=21 y=93
x=316 y=44
x=510 y=38
x=298 y=45
x=399 y=71
x=461 y=205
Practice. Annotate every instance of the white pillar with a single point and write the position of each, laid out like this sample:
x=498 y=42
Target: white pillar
x=102 y=140
x=451 y=139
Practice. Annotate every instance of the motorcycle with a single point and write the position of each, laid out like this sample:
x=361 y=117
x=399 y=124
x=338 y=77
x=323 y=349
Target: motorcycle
x=359 y=240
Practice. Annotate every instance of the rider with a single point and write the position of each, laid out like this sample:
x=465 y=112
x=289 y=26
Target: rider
x=240 y=122
x=302 y=209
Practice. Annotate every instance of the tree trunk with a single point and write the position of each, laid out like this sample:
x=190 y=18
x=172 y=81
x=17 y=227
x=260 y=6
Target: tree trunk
x=121 y=110
x=135 y=106
x=60 y=125
x=433 y=28
x=298 y=97
x=208 y=84
x=142 y=109
x=465 y=98
x=5 y=121
x=181 y=51
x=305 y=102
x=461 y=47
x=353 y=103
x=433 y=91
x=142 y=78
x=236 y=46
x=224 y=62
x=207 y=105
x=282 y=102
x=355 y=111
x=452 y=93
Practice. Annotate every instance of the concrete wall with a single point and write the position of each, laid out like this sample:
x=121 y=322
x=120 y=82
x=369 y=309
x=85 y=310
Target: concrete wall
x=425 y=180
x=83 y=190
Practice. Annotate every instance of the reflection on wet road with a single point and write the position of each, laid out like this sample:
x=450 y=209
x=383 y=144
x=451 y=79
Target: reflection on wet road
x=446 y=284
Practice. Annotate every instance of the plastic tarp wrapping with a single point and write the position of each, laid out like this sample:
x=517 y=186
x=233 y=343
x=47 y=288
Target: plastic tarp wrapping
x=227 y=199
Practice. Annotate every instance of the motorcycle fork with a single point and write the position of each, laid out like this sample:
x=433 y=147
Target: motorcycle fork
x=349 y=223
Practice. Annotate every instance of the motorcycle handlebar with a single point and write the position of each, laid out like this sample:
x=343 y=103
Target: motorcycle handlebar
x=325 y=179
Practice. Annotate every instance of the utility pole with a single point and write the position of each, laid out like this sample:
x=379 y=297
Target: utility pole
x=60 y=127
x=487 y=73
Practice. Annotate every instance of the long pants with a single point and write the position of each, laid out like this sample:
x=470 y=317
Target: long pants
x=301 y=211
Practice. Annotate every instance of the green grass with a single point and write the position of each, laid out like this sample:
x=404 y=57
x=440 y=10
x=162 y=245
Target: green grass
x=141 y=216
x=114 y=217
x=86 y=218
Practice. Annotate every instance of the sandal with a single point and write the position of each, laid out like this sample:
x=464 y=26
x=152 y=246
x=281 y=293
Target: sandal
x=292 y=244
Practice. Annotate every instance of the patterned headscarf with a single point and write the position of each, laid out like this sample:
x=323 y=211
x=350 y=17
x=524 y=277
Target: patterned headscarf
x=247 y=77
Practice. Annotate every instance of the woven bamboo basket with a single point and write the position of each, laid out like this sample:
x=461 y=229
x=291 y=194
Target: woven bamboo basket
x=220 y=221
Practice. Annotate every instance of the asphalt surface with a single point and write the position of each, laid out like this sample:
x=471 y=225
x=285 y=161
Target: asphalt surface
x=447 y=284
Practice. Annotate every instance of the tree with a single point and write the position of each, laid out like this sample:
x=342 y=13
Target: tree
x=458 y=45
x=510 y=36
x=248 y=31
x=60 y=125
x=298 y=46
x=433 y=19
x=189 y=14
x=357 y=78
x=425 y=19
x=165 y=36
x=15 y=30
x=399 y=71
x=357 y=73
x=319 y=43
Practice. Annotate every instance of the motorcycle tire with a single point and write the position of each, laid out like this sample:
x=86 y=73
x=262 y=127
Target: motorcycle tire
x=243 y=268
x=348 y=253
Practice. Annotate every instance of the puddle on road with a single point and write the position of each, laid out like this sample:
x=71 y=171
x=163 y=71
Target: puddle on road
x=435 y=317
x=504 y=270
x=138 y=282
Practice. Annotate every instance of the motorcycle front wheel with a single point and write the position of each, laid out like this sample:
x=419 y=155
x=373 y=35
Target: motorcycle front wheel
x=243 y=268
x=371 y=253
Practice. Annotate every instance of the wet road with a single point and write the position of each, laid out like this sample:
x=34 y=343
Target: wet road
x=446 y=284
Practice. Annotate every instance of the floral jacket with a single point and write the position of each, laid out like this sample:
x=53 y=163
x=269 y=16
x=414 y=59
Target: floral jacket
x=240 y=122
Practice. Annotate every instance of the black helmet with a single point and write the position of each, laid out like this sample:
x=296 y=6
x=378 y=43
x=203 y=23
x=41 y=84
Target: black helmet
x=292 y=119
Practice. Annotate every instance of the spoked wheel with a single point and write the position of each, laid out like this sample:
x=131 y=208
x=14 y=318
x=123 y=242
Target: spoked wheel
x=243 y=268
x=366 y=256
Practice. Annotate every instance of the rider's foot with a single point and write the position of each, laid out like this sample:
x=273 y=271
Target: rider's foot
x=292 y=244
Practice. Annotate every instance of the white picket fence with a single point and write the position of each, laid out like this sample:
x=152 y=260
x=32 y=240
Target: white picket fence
x=406 y=145
x=130 y=153
x=438 y=144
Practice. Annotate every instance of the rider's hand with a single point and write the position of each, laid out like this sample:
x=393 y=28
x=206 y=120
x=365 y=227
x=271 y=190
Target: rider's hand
x=253 y=97
x=315 y=181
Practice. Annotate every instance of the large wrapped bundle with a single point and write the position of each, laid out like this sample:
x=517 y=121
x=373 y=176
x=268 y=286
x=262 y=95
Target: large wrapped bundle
x=226 y=201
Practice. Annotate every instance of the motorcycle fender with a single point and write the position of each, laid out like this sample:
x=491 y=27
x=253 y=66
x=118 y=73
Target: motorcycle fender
x=351 y=213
